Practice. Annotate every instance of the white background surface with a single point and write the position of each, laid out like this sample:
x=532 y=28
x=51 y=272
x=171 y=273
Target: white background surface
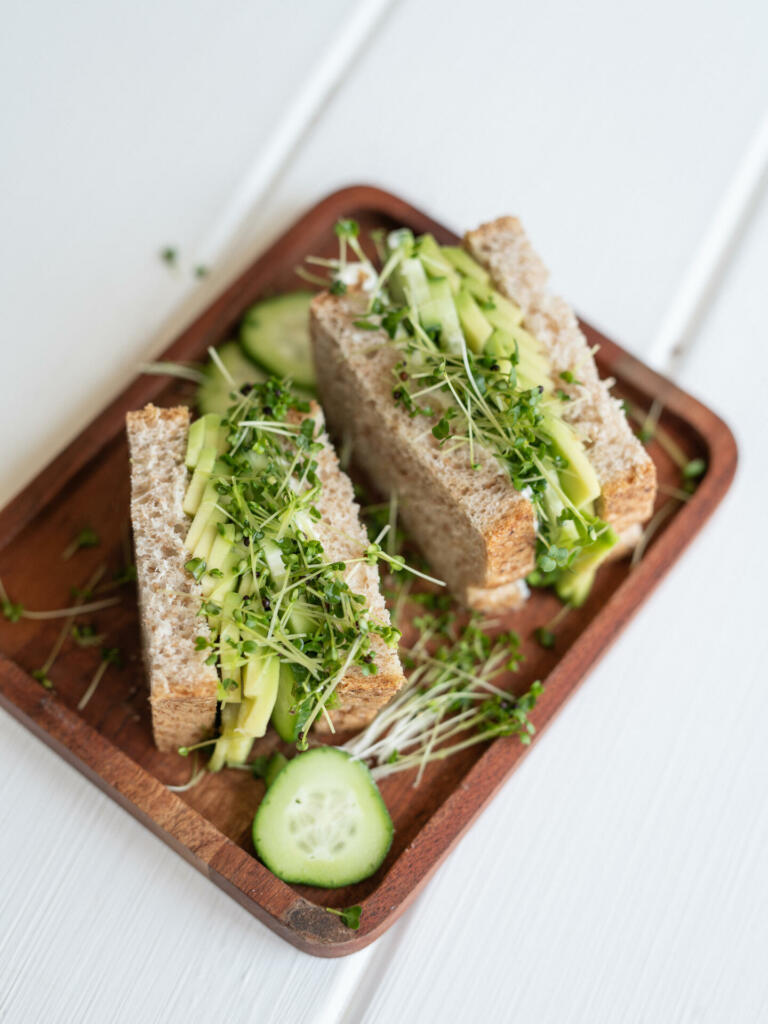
x=622 y=873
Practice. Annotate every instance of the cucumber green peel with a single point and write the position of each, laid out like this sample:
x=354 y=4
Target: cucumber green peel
x=484 y=381
x=323 y=821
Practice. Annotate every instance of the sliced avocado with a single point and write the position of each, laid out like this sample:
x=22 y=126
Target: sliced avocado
x=497 y=308
x=464 y=263
x=195 y=439
x=238 y=749
x=301 y=620
x=221 y=547
x=574 y=584
x=206 y=460
x=229 y=659
x=532 y=368
x=477 y=330
x=207 y=514
x=409 y=284
x=400 y=238
x=438 y=313
x=261 y=683
x=578 y=479
x=274 y=559
x=220 y=755
x=225 y=558
x=435 y=263
x=261 y=674
x=223 y=586
x=214 y=435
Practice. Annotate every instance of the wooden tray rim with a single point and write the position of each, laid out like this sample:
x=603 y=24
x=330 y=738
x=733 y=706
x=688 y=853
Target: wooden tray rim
x=304 y=924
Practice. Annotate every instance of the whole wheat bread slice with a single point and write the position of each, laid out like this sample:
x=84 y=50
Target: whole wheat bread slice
x=475 y=529
x=182 y=687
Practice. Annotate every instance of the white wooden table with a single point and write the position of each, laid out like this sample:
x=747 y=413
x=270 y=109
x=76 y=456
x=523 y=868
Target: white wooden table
x=622 y=874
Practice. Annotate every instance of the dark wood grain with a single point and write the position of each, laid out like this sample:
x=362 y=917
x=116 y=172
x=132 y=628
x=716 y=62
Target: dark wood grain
x=110 y=740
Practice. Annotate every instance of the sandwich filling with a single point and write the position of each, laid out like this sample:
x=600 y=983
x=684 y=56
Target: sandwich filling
x=485 y=382
x=285 y=627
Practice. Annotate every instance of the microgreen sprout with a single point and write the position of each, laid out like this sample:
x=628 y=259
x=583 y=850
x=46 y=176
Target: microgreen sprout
x=109 y=656
x=169 y=255
x=196 y=775
x=350 y=916
x=42 y=674
x=691 y=472
x=86 y=538
x=86 y=636
x=13 y=611
x=545 y=637
x=452 y=700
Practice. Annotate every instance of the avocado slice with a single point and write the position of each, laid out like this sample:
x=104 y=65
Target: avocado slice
x=409 y=284
x=574 y=584
x=439 y=313
x=578 y=479
x=477 y=329
x=206 y=460
x=435 y=262
x=465 y=265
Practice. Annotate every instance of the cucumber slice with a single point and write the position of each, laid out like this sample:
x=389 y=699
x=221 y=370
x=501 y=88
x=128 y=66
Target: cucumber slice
x=323 y=821
x=275 y=333
x=214 y=393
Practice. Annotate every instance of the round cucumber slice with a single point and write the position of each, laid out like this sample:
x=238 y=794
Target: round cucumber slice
x=275 y=333
x=213 y=394
x=322 y=821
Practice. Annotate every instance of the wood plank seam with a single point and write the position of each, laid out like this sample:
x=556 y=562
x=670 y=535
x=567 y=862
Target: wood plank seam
x=699 y=286
x=272 y=157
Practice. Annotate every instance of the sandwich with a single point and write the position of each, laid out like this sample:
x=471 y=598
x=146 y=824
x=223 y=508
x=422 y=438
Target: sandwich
x=258 y=589
x=471 y=397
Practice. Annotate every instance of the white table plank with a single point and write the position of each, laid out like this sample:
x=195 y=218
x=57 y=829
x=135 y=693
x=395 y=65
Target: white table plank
x=614 y=139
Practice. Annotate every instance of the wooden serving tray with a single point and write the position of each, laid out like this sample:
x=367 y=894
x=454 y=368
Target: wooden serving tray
x=110 y=740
